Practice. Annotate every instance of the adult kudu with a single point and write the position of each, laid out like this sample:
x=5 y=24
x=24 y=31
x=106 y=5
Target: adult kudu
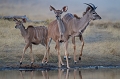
x=57 y=32
x=32 y=35
x=74 y=27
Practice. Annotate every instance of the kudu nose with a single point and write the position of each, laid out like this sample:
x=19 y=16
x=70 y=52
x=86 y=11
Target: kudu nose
x=57 y=16
x=16 y=27
x=99 y=17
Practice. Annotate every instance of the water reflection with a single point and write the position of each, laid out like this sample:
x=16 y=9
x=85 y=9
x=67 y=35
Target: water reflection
x=45 y=74
x=62 y=74
x=22 y=76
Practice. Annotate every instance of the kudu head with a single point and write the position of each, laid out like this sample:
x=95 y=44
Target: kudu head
x=58 y=12
x=91 y=10
x=19 y=23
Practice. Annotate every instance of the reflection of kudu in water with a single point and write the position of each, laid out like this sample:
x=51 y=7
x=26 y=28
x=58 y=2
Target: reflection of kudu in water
x=31 y=74
x=45 y=74
x=60 y=74
x=80 y=75
x=74 y=27
x=32 y=35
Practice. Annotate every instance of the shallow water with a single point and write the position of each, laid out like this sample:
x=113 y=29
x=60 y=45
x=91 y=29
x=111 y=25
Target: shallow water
x=62 y=74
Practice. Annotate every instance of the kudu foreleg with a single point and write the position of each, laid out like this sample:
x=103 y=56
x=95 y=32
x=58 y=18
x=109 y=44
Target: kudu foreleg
x=25 y=48
x=60 y=62
x=81 y=39
x=74 y=47
x=66 y=53
x=32 y=58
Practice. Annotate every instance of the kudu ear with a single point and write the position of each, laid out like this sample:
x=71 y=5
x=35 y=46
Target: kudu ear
x=65 y=8
x=88 y=8
x=51 y=8
x=14 y=19
x=24 y=20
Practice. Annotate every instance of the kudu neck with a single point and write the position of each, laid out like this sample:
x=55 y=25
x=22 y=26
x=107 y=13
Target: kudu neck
x=84 y=22
x=23 y=30
x=61 y=26
x=86 y=17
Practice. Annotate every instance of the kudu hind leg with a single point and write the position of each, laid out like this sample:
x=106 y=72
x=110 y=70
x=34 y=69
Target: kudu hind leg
x=81 y=39
x=46 y=55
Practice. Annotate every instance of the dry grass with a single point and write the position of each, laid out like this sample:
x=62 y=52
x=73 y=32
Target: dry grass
x=102 y=42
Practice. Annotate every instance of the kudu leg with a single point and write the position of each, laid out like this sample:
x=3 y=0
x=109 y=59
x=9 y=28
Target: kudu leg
x=59 y=57
x=66 y=53
x=74 y=46
x=32 y=58
x=81 y=39
x=46 y=55
x=25 y=48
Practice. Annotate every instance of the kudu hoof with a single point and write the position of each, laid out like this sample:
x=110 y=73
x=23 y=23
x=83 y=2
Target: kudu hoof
x=61 y=41
x=31 y=64
x=75 y=62
x=20 y=63
x=68 y=67
x=46 y=63
x=68 y=57
x=64 y=57
x=79 y=58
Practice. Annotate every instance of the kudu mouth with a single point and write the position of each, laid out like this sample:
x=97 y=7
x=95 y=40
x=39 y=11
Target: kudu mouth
x=57 y=17
x=99 y=17
x=16 y=27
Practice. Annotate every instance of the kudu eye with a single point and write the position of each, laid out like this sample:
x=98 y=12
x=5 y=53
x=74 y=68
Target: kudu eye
x=60 y=12
x=55 y=12
x=94 y=13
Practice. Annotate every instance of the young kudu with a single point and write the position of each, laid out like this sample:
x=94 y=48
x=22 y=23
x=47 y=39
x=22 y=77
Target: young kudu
x=32 y=35
x=74 y=27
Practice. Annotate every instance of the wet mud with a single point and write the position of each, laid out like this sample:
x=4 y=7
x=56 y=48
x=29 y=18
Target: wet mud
x=50 y=66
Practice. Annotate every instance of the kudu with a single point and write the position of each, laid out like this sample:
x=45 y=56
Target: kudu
x=56 y=30
x=74 y=27
x=61 y=26
x=32 y=35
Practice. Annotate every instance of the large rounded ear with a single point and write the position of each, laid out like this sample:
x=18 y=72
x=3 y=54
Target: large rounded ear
x=65 y=8
x=51 y=8
x=14 y=19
